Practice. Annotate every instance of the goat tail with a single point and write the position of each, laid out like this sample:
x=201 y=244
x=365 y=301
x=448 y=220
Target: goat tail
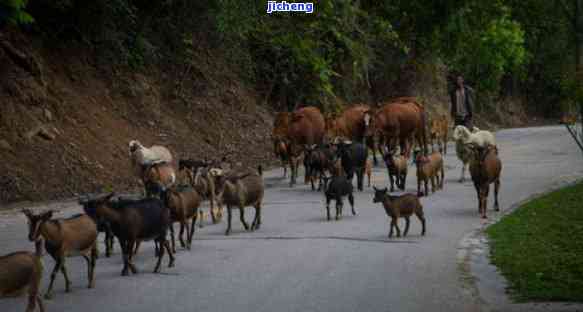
x=260 y=170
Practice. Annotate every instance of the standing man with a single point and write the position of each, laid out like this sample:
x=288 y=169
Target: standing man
x=462 y=102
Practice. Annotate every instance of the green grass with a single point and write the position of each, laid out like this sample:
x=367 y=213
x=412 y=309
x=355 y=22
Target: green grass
x=539 y=247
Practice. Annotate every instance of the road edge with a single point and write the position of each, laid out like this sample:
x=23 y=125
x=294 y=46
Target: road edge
x=474 y=248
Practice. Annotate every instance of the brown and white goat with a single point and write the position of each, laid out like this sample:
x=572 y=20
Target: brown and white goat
x=429 y=168
x=485 y=168
x=158 y=174
x=241 y=188
x=400 y=207
x=396 y=169
x=22 y=272
x=65 y=238
x=205 y=185
x=183 y=204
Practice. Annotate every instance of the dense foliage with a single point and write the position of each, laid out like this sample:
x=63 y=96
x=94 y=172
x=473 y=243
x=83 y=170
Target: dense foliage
x=346 y=51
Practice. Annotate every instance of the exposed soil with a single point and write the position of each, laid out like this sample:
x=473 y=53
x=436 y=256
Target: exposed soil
x=65 y=122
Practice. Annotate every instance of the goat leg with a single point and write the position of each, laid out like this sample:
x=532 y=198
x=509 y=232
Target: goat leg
x=92 y=265
x=397 y=226
x=33 y=300
x=171 y=228
x=212 y=209
x=407 y=221
x=49 y=293
x=170 y=256
x=108 y=243
x=426 y=183
x=229 y=217
x=339 y=205
x=328 y=208
x=181 y=234
x=391 y=228
x=432 y=184
x=242 y=217
x=65 y=275
x=126 y=250
x=257 y=220
x=422 y=219
x=463 y=176
x=351 y=201
x=131 y=244
x=161 y=255
x=191 y=233
x=496 y=189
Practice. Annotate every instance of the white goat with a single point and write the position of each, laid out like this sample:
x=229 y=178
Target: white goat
x=142 y=155
x=463 y=137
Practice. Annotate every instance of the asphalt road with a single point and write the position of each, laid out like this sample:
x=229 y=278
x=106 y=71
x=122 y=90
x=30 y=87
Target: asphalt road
x=298 y=261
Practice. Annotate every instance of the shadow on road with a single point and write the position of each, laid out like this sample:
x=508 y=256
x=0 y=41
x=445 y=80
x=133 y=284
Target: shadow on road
x=357 y=239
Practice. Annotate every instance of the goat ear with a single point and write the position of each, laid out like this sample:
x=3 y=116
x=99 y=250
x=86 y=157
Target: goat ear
x=375 y=188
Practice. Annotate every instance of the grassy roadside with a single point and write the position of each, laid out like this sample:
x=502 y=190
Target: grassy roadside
x=539 y=247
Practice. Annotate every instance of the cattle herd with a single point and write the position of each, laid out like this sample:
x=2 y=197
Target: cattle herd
x=333 y=150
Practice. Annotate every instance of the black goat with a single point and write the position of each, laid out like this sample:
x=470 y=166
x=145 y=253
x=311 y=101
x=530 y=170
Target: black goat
x=318 y=160
x=353 y=157
x=134 y=221
x=336 y=187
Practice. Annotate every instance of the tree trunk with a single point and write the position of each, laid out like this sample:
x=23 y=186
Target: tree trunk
x=579 y=36
x=579 y=50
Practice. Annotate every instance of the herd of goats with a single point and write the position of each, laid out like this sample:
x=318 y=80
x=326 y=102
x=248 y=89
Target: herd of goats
x=333 y=150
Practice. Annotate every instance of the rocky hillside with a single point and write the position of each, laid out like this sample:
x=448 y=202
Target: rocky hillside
x=65 y=120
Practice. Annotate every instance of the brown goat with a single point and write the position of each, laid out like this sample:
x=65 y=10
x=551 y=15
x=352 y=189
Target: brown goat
x=429 y=168
x=241 y=188
x=159 y=174
x=400 y=206
x=65 y=238
x=183 y=204
x=204 y=184
x=22 y=272
x=485 y=168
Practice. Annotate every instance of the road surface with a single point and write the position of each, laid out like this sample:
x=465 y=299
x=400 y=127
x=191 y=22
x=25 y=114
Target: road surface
x=299 y=262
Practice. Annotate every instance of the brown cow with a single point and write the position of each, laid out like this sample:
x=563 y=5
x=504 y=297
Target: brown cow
x=307 y=127
x=352 y=124
x=399 y=120
x=279 y=138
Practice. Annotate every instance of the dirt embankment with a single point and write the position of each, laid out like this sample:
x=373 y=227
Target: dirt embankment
x=65 y=120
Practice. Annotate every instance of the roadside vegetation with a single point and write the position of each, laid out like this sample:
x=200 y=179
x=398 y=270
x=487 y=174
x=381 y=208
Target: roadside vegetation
x=539 y=247
x=346 y=51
